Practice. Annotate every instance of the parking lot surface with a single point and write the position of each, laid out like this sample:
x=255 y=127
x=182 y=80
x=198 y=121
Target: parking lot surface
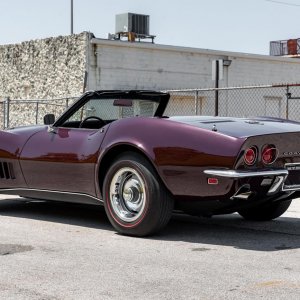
x=66 y=251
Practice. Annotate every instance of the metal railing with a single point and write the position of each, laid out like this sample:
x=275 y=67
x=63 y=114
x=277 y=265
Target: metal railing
x=282 y=101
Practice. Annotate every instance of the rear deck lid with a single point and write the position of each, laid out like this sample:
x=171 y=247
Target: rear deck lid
x=240 y=127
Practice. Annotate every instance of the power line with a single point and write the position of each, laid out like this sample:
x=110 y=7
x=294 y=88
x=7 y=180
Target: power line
x=283 y=3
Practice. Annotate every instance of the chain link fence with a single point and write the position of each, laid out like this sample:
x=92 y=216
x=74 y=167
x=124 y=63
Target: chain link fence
x=29 y=112
x=282 y=101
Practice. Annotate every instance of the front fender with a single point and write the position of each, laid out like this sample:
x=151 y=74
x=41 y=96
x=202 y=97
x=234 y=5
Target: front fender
x=11 y=144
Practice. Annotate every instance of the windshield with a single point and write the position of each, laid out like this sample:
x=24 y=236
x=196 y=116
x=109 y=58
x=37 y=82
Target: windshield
x=108 y=110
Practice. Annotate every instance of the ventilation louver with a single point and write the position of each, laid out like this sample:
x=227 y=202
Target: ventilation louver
x=6 y=171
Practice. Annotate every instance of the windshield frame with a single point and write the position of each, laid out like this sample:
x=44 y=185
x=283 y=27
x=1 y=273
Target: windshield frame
x=159 y=97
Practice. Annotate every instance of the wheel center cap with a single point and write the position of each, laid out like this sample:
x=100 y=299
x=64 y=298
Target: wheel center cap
x=128 y=195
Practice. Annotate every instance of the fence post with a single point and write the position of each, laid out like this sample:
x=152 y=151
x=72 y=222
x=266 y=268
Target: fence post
x=288 y=95
x=7 y=112
x=4 y=113
x=36 y=112
x=196 y=103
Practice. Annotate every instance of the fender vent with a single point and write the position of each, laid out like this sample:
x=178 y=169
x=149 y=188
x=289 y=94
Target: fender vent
x=7 y=171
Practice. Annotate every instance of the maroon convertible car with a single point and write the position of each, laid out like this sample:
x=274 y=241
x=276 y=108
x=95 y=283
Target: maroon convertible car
x=117 y=148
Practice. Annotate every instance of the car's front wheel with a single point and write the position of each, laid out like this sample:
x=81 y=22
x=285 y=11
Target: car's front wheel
x=266 y=212
x=135 y=200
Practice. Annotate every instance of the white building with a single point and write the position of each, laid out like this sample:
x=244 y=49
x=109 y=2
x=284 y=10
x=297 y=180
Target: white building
x=119 y=64
x=57 y=67
x=63 y=67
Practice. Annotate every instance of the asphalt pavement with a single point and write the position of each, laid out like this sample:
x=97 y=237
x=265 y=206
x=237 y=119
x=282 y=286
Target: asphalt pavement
x=66 y=251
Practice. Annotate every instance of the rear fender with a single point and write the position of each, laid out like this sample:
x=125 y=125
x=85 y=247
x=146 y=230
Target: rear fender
x=178 y=152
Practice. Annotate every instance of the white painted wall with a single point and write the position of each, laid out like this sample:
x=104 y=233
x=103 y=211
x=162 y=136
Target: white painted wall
x=116 y=64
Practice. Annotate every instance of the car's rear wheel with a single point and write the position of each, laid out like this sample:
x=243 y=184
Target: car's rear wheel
x=266 y=212
x=135 y=200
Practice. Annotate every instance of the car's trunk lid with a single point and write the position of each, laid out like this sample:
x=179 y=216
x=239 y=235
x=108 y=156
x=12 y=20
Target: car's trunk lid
x=240 y=127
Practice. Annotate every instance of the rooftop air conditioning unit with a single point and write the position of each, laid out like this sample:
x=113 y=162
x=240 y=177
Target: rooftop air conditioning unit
x=130 y=22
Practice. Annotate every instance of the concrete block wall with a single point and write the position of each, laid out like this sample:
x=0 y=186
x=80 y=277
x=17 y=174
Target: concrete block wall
x=127 y=65
x=138 y=66
x=262 y=69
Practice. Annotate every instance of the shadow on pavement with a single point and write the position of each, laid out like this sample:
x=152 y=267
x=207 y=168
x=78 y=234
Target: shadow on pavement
x=230 y=230
x=91 y=216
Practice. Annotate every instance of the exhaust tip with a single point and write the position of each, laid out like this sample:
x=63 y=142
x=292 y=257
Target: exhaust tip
x=243 y=193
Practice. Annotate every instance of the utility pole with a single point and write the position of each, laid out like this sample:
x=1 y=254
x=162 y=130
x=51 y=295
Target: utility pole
x=71 y=16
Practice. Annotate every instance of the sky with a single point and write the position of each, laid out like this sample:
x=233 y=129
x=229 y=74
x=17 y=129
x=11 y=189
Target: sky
x=232 y=25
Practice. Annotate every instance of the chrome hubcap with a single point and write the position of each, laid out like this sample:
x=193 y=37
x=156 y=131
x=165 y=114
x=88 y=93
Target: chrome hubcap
x=127 y=194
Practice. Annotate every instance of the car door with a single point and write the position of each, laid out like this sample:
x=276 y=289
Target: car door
x=62 y=159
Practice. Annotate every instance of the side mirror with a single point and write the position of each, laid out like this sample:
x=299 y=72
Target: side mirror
x=49 y=119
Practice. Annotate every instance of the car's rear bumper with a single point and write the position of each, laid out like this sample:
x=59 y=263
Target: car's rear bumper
x=278 y=178
x=245 y=174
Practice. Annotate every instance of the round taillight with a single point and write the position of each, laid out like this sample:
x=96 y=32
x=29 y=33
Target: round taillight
x=269 y=154
x=250 y=156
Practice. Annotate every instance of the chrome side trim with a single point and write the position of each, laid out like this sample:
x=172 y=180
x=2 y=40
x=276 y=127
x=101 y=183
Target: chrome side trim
x=245 y=174
x=19 y=190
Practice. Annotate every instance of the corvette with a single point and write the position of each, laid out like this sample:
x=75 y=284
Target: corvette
x=118 y=149
x=296 y=153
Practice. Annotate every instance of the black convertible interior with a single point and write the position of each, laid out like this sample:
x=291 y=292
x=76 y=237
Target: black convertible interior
x=91 y=122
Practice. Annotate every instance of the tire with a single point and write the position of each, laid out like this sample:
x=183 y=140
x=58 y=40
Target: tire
x=135 y=200
x=266 y=212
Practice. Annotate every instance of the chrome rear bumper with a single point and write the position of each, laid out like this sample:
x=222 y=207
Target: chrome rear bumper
x=245 y=174
x=278 y=181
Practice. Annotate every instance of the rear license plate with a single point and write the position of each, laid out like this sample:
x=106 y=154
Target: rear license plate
x=292 y=181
